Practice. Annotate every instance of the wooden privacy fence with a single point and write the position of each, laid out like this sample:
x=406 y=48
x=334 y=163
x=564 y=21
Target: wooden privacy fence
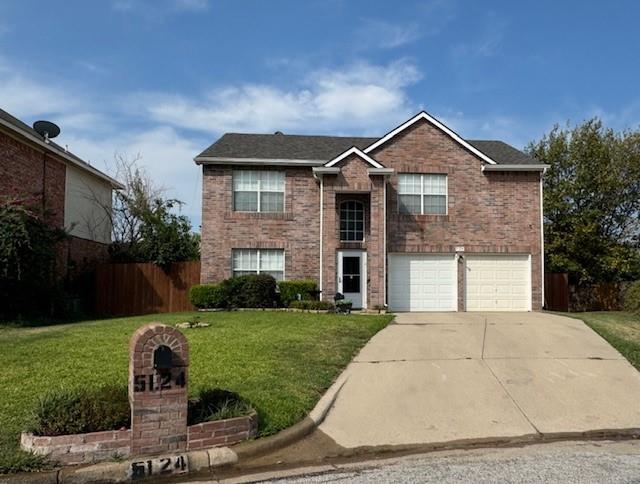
x=144 y=288
x=556 y=292
x=559 y=295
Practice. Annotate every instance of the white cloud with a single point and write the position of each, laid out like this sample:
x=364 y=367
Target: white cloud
x=362 y=98
x=191 y=4
x=157 y=9
x=166 y=155
x=30 y=97
x=486 y=43
x=385 y=34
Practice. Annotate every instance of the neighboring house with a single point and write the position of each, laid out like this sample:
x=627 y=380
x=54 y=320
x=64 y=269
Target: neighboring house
x=420 y=219
x=73 y=194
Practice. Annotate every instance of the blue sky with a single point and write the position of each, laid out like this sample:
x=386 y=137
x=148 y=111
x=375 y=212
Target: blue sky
x=165 y=78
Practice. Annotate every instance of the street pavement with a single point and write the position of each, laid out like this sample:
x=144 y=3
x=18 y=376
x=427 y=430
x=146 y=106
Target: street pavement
x=569 y=462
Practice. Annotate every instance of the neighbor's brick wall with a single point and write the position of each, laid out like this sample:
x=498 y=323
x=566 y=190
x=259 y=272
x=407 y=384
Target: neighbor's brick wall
x=296 y=230
x=488 y=212
x=80 y=255
x=25 y=171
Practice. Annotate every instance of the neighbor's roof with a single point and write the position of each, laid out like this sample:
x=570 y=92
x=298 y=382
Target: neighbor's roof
x=27 y=131
x=324 y=148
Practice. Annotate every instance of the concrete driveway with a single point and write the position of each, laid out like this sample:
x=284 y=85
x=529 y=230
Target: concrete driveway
x=440 y=377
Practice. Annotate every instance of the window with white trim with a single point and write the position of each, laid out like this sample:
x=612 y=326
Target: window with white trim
x=351 y=221
x=259 y=261
x=421 y=194
x=258 y=191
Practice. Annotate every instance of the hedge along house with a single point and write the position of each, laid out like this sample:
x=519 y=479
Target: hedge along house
x=419 y=219
x=73 y=194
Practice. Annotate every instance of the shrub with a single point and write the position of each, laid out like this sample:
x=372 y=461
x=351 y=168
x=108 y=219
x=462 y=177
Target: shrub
x=259 y=291
x=207 y=296
x=311 y=305
x=250 y=291
x=632 y=298
x=81 y=410
x=289 y=290
x=216 y=404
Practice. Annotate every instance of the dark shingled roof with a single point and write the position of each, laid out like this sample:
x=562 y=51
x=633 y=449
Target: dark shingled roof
x=283 y=146
x=25 y=128
x=325 y=148
x=502 y=153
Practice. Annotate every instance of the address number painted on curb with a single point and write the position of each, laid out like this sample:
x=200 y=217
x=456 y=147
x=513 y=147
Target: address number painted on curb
x=160 y=466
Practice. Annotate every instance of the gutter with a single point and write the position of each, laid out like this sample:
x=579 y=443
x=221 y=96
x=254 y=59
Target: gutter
x=73 y=160
x=537 y=167
x=217 y=160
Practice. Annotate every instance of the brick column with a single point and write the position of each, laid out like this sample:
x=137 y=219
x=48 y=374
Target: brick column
x=375 y=245
x=158 y=397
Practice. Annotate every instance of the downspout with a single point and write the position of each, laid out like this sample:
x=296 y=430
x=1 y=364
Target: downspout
x=321 y=227
x=44 y=182
x=384 y=240
x=542 y=233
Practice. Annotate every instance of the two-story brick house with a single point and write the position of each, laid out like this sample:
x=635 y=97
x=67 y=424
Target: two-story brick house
x=420 y=219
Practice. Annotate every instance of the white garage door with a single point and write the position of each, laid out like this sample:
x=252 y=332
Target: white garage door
x=423 y=282
x=498 y=282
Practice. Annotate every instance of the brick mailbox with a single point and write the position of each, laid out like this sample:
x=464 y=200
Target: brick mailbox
x=158 y=385
x=158 y=380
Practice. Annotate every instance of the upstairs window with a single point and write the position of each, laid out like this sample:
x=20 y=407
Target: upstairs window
x=351 y=221
x=259 y=261
x=421 y=194
x=258 y=191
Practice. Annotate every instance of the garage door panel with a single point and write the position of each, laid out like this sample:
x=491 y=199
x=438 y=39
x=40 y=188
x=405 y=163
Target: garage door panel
x=422 y=282
x=498 y=282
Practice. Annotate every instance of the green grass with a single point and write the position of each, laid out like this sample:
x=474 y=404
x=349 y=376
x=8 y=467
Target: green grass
x=620 y=329
x=280 y=362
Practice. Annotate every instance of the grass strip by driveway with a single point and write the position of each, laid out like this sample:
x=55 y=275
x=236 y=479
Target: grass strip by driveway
x=620 y=329
x=280 y=361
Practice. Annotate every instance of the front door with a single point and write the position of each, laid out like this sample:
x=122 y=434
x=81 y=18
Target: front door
x=352 y=277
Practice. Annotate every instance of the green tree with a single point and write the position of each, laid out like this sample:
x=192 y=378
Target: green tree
x=145 y=225
x=591 y=201
x=28 y=245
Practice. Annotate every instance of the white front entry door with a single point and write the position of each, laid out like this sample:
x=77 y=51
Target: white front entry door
x=352 y=277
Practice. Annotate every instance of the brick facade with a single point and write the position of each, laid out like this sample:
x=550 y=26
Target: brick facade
x=296 y=230
x=488 y=212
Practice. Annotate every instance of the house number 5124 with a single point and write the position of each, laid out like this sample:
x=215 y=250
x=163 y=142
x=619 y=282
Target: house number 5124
x=153 y=382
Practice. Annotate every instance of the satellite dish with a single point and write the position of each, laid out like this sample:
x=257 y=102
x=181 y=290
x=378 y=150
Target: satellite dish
x=46 y=129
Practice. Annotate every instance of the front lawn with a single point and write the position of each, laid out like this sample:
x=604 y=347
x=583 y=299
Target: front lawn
x=280 y=361
x=620 y=329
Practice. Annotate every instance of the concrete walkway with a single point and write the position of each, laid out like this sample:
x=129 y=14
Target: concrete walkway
x=440 y=377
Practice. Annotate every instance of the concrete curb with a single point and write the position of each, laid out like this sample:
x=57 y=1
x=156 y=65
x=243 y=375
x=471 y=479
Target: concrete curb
x=298 y=431
x=203 y=462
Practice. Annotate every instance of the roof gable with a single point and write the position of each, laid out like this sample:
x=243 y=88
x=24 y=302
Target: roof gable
x=423 y=115
x=353 y=151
